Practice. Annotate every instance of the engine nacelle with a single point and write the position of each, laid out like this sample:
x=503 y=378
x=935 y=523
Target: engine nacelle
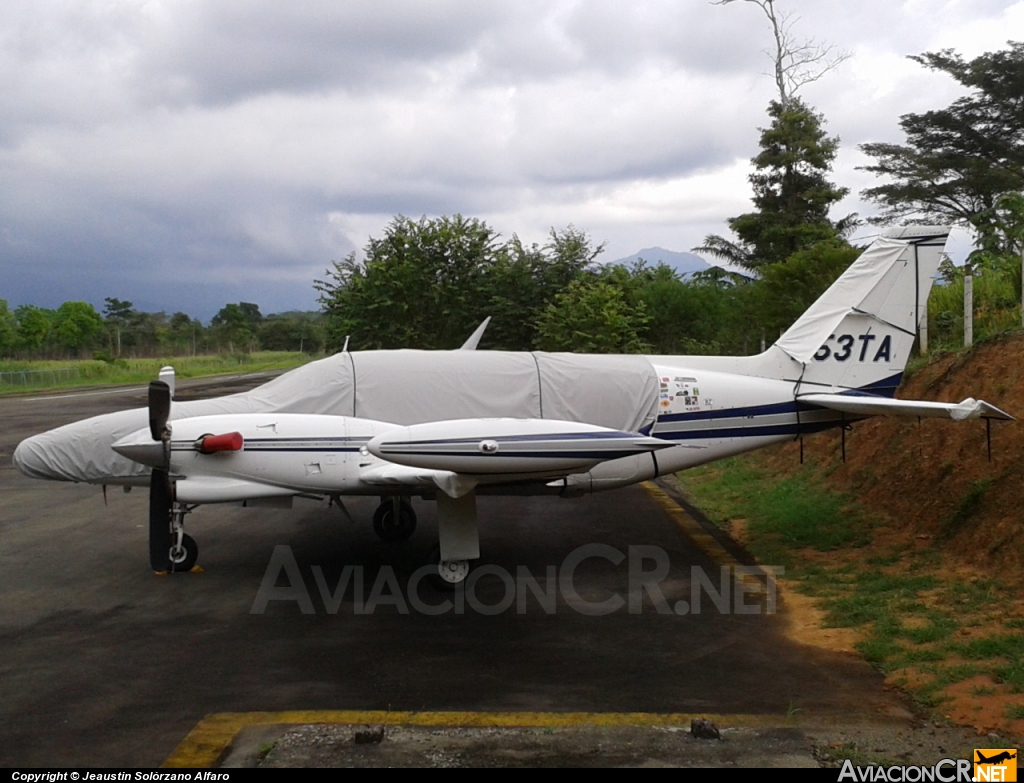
x=508 y=446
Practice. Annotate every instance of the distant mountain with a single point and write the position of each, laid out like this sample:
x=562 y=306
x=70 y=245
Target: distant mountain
x=684 y=263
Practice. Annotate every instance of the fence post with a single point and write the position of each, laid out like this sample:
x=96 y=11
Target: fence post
x=968 y=305
x=923 y=333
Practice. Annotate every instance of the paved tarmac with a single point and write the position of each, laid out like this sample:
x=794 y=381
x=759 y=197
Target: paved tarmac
x=105 y=663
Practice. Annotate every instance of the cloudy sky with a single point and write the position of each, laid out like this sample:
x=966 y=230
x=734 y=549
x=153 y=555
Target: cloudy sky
x=186 y=153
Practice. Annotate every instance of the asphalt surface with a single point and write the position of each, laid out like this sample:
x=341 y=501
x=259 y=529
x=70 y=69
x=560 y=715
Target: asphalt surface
x=105 y=663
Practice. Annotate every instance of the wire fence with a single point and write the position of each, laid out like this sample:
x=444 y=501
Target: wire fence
x=39 y=377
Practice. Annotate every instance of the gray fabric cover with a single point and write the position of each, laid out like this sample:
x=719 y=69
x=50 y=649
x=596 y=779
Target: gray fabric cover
x=403 y=387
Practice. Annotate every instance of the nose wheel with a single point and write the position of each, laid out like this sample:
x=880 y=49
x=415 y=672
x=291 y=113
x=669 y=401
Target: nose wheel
x=183 y=555
x=183 y=550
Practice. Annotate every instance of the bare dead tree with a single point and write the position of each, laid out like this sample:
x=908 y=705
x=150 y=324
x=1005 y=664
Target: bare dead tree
x=797 y=62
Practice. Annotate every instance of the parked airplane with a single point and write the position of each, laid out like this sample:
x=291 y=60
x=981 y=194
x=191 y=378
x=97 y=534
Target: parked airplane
x=449 y=425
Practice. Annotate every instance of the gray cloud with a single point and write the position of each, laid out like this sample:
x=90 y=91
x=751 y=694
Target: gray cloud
x=185 y=154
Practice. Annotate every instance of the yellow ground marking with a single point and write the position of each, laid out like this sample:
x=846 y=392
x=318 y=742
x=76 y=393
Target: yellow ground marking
x=704 y=540
x=206 y=744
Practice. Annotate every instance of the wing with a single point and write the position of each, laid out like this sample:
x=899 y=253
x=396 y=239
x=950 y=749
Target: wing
x=865 y=405
x=218 y=489
x=390 y=475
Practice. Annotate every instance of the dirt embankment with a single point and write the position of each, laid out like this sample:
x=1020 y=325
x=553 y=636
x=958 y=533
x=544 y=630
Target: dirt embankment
x=941 y=507
x=933 y=478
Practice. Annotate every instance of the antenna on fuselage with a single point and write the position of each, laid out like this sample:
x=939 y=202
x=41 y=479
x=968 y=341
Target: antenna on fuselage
x=344 y=348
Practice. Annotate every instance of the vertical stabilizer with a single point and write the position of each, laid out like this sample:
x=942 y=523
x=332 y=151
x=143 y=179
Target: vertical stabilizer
x=859 y=333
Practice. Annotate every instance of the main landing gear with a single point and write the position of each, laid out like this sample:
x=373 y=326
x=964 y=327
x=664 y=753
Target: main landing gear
x=458 y=537
x=450 y=573
x=394 y=520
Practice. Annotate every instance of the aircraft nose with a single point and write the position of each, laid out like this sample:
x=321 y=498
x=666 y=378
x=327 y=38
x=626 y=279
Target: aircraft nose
x=81 y=451
x=33 y=459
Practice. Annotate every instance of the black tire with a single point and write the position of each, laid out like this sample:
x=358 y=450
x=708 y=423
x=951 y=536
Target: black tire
x=191 y=555
x=385 y=526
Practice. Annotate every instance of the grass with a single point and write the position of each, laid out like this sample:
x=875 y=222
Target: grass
x=996 y=308
x=92 y=372
x=966 y=508
x=907 y=616
x=1008 y=646
x=265 y=750
x=782 y=513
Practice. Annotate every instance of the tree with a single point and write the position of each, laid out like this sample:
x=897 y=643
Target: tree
x=8 y=329
x=796 y=62
x=238 y=324
x=592 y=316
x=419 y=287
x=183 y=333
x=34 y=324
x=76 y=324
x=681 y=317
x=787 y=289
x=792 y=194
x=429 y=283
x=117 y=313
x=957 y=161
x=1000 y=231
x=294 y=331
x=524 y=281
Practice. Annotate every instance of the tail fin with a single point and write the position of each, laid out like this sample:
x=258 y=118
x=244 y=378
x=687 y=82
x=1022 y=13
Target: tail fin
x=860 y=332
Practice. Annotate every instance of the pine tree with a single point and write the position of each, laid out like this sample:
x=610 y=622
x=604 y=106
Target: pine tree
x=792 y=194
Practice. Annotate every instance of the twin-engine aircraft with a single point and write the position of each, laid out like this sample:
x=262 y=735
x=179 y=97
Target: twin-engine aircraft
x=450 y=425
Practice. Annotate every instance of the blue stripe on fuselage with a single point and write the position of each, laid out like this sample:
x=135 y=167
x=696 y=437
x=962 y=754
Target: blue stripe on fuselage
x=885 y=387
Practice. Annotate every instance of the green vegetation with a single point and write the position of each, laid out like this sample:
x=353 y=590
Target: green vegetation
x=967 y=507
x=792 y=194
x=75 y=331
x=910 y=615
x=782 y=514
x=958 y=161
x=17 y=376
x=996 y=302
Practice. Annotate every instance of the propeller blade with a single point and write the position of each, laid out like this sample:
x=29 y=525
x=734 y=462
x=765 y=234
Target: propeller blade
x=159 y=408
x=160 y=520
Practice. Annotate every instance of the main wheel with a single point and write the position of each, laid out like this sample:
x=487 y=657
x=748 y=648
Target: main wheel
x=388 y=528
x=184 y=557
x=450 y=573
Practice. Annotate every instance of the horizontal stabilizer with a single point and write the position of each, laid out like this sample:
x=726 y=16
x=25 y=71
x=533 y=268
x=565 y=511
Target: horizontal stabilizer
x=884 y=406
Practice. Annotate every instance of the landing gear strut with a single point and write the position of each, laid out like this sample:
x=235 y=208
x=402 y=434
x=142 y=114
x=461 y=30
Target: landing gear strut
x=459 y=539
x=184 y=550
x=394 y=520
